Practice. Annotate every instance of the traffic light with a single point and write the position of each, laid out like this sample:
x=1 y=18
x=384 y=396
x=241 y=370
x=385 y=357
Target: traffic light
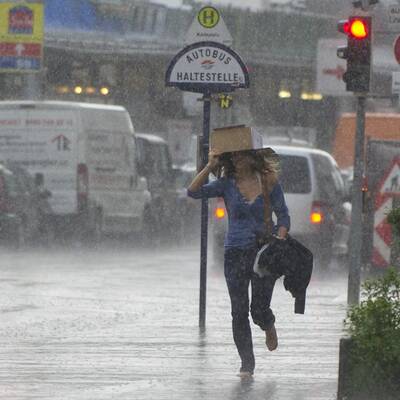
x=357 y=53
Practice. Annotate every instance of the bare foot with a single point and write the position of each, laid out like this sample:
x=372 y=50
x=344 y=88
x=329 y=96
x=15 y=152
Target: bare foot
x=245 y=375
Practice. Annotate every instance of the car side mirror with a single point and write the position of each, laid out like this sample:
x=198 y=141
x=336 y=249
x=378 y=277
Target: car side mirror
x=39 y=179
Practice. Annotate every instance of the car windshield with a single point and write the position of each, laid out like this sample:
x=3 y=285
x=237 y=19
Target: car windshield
x=295 y=174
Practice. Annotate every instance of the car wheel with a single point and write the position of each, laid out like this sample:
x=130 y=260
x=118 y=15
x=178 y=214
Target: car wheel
x=95 y=234
x=48 y=235
x=17 y=236
x=323 y=257
x=97 y=229
x=149 y=228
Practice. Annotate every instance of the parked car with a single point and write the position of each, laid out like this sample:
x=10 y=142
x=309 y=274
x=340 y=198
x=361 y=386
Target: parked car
x=24 y=207
x=155 y=164
x=317 y=202
x=86 y=156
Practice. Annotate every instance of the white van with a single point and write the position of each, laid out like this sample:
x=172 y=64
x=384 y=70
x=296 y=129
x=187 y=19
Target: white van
x=87 y=157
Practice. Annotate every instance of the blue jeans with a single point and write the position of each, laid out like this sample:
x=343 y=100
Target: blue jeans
x=238 y=269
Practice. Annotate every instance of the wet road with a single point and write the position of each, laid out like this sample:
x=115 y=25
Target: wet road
x=123 y=324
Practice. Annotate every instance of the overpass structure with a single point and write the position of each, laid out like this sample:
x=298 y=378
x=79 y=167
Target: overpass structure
x=117 y=52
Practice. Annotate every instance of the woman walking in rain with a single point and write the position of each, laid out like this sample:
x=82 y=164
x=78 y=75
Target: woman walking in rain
x=249 y=185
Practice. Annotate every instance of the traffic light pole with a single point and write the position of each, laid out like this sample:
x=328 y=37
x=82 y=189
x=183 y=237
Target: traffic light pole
x=356 y=228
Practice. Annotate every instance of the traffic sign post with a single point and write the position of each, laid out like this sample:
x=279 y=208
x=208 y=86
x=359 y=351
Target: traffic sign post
x=21 y=36
x=357 y=77
x=356 y=228
x=207 y=67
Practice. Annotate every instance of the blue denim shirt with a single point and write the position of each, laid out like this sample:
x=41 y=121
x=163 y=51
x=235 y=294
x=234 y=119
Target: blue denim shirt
x=245 y=219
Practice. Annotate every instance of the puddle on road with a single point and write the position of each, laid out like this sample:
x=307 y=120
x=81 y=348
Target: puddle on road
x=22 y=307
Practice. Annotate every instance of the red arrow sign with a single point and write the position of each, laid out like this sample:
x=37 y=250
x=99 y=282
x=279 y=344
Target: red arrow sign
x=20 y=50
x=337 y=72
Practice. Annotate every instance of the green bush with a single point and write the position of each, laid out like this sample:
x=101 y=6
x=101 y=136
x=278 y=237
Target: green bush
x=394 y=219
x=374 y=327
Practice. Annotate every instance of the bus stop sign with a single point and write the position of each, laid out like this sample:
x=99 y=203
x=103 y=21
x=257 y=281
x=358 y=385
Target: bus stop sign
x=207 y=67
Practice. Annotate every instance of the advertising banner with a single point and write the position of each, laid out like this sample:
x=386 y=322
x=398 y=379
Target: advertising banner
x=21 y=36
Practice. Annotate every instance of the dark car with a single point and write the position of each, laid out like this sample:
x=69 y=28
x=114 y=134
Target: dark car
x=154 y=163
x=23 y=206
x=190 y=209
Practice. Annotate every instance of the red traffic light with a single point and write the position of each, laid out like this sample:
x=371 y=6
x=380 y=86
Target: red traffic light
x=358 y=29
x=355 y=27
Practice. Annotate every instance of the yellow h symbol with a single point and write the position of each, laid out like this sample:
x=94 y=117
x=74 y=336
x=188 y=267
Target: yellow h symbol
x=208 y=17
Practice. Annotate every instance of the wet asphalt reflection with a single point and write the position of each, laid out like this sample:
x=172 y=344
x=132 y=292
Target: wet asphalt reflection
x=122 y=323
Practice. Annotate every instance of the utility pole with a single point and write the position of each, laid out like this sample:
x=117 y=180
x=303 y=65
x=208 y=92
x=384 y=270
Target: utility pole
x=204 y=214
x=356 y=228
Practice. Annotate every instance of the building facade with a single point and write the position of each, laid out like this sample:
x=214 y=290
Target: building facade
x=118 y=51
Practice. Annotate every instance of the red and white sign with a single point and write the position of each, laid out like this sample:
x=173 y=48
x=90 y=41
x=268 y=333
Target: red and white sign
x=382 y=231
x=20 y=50
x=390 y=183
x=330 y=68
x=389 y=187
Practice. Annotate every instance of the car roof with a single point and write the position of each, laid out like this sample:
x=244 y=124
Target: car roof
x=151 y=138
x=298 y=150
x=188 y=167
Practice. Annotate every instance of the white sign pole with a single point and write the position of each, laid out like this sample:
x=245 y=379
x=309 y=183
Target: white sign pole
x=207 y=67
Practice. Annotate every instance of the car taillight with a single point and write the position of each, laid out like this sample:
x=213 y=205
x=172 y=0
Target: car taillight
x=82 y=186
x=220 y=211
x=3 y=200
x=316 y=215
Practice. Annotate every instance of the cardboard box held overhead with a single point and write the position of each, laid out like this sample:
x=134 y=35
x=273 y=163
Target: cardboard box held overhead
x=235 y=138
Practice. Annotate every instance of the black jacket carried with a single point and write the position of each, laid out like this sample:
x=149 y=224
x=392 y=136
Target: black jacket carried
x=288 y=258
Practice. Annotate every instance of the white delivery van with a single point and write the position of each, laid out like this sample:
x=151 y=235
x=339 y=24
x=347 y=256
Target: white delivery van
x=87 y=157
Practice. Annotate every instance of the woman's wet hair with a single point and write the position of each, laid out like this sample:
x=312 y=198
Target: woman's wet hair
x=261 y=163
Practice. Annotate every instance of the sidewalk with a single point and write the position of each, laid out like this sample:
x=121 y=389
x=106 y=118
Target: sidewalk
x=124 y=326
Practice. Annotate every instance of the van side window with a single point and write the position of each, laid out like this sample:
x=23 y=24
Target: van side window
x=295 y=174
x=10 y=184
x=329 y=182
